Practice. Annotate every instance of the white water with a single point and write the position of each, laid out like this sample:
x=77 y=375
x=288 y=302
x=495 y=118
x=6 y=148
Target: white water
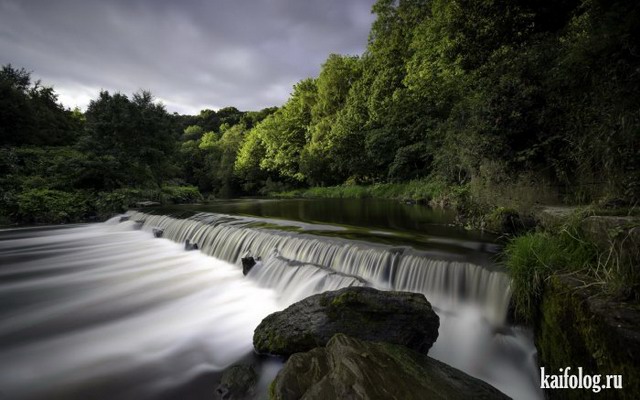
x=108 y=311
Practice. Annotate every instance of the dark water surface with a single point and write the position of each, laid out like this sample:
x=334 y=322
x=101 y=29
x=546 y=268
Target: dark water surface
x=378 y=220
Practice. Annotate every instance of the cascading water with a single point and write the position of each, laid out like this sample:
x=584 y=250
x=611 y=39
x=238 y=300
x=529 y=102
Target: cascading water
x=138 y=317
x=447 y=281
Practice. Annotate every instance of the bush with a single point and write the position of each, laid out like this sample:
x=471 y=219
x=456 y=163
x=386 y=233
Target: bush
x=120 y=200
x=180 y=195
x=51 y=206
x=418 y=190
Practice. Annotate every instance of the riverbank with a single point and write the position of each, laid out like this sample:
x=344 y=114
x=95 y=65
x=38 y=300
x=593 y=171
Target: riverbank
x=471 y=212
x=49 y=206
x=498 y=209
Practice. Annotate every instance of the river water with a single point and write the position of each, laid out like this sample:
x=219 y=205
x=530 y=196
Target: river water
x=109 y=311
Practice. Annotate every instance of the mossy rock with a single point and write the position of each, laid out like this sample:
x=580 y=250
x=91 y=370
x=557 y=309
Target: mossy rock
x=553 y=217
x=238 y=382
x=365 y=313
x=349 y=368
x=504 y=220
x=580 y=327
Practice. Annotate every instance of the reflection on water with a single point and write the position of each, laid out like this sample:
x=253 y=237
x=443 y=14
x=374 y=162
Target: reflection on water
x=374 y=220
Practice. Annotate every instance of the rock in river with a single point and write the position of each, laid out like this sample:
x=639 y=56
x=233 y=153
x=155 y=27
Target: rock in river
x=238 y=383
x=365 y=313
x=349 y=368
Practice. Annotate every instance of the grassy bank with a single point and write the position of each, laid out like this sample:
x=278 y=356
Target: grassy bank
x=474 y=209
x=423 y=191
x=606 y=258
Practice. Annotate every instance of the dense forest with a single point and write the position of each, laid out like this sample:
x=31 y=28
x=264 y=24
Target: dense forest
x=537 y=99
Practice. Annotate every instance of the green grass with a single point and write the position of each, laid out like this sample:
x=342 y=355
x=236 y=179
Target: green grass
x=533 y=257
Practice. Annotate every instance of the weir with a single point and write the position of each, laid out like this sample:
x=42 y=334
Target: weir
x=447 y=282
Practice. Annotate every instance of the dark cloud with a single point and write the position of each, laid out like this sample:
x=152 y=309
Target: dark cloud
x=191 y=54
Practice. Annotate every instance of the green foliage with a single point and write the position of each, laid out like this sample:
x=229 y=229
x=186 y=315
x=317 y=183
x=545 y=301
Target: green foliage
x=136 y=133
x=180 y=195
x=284 y=133
x=447 y=88
x=192 y=132
x=30 y=113
x=532 y=258
x=333 y=85
x=424 y=191
x=208 y=141
x=50 y=206
x=452 y=92
x=120 y=200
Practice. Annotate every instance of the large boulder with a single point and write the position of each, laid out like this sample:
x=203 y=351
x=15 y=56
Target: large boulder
x=361 y=312
x=349 y=368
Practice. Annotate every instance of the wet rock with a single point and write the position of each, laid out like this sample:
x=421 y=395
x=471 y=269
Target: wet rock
x=188 y=246
x=157 y=232
x=552 y=217
x=247 y=264
x=238 y=383
x=349 y=368
x=361 y=312
x=124 y=218
x=506 y=221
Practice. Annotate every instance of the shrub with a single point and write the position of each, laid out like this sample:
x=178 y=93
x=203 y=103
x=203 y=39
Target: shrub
x=180 y=195
x=51 y=206
x=418 y=190
x=119 y=200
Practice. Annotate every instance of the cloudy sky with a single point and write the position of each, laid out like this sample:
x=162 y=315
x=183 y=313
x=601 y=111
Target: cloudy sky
x=191 y=54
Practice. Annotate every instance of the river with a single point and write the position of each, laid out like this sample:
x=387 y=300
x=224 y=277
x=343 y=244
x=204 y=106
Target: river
x=108 y=310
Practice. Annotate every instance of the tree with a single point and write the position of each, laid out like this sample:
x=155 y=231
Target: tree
x=285 y=133
x=336 y=77
x=30 y=113
x=136 y=132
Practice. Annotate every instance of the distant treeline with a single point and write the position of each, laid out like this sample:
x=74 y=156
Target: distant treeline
x=485 y=94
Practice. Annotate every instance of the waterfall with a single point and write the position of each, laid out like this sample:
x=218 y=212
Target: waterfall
x=448 y=282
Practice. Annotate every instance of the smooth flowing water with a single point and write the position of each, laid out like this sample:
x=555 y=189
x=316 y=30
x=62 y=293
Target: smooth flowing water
x=109 y=311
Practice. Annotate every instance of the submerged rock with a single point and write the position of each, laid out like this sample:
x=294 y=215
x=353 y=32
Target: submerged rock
x=190 y=246
x=238 y=383
x=349 y=368
x=361 y=312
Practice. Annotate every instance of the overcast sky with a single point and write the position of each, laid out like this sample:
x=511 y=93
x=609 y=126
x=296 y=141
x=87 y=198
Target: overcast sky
x=191 y=54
